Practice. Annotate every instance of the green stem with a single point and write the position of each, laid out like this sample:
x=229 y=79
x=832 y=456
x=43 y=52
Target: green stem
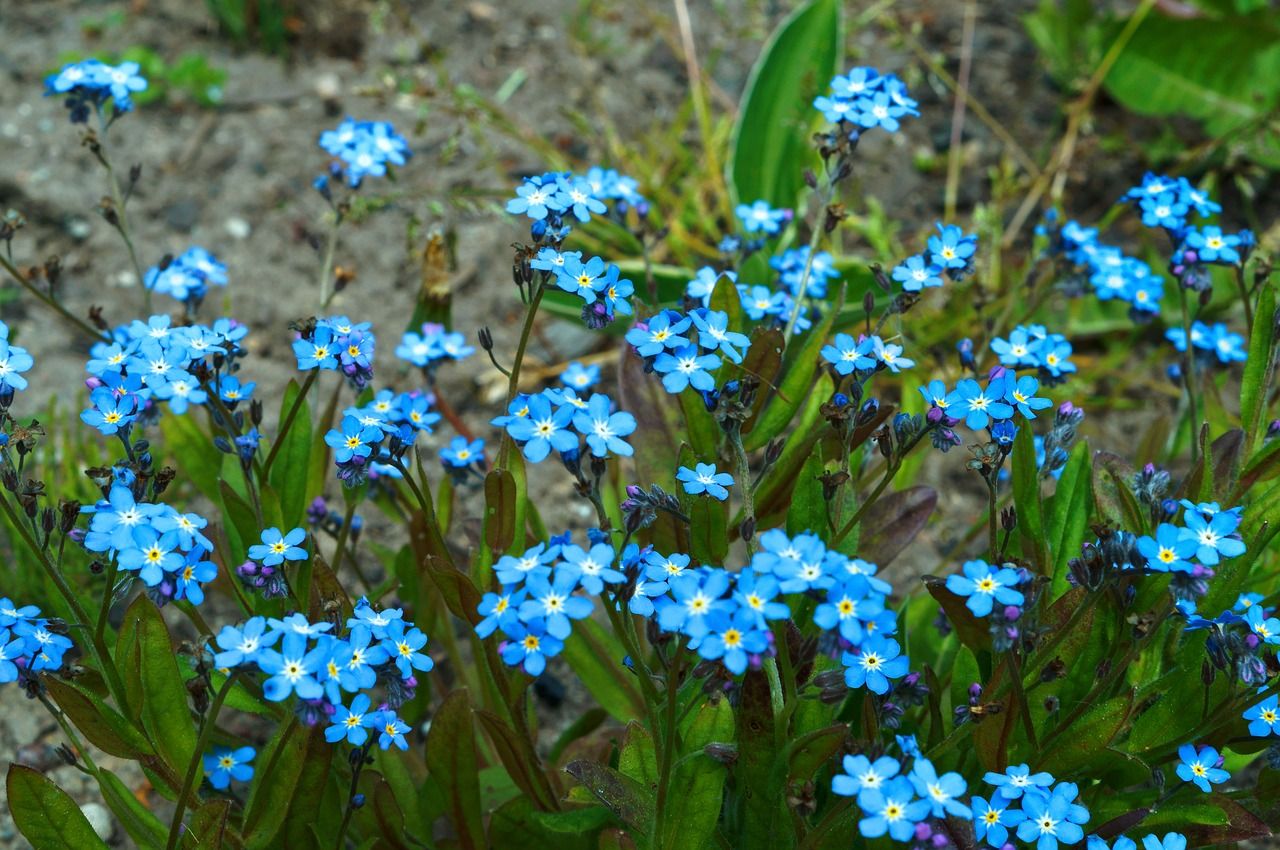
x=1189 y=375
x=326 y=267
x=744 y=484
x=121 y=223
x=814 y=238
x=288 y=421
x=992 y=534
x=50 y=302
x=358 y=767
x=193 y=767
x=97 y=643
x=668 y=744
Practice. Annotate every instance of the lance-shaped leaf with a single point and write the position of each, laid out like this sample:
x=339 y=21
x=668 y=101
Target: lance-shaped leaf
x=1069 y=514
x=893 y=522
x=630 y=801
x=697 y=781
x=164 y=712
x=45 y=814
x=499 y=509
x=1087 y=740
x=771 y=139
x=451 y=758
x=106 y=728
x=287 y=475
x=596 y=657
x=1026 y=499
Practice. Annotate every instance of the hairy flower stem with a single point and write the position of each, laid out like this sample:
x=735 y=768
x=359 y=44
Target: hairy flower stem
x=326 y=266
x=357 y=767
x=51 y=302
x=207 y=724
x=298 y=401
x=744 y=483
x=114 y=683
x=803 y=287
x=992 y=533
x=668 y=741
x=118 y=200
x=1024 y=708
x=513 y=382
x=1189 y=376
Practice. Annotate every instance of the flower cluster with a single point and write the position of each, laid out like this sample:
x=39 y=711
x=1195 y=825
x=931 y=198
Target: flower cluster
x=264 y=571
x=433 y=345
x=899 y=804
x=1033 y=347
x=951 y=253
x=666 y=343
x=1210 y=341
x=14 y=360
x=363 y=149
x=604 y=292
x=759 y=217
x=187 y=277
x=149 y=362
x=864 y=99
x=28 y=642
x=1112 y=274
x=864 y=356
x=337 y=343
x=163 y=547
x=1207 y=536
x=299 y=657
x=91 y=83
x=557 y=418
x=372 y=440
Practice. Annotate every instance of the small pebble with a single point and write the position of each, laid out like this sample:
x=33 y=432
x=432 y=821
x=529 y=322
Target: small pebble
x=237 y=228
x=100 y=819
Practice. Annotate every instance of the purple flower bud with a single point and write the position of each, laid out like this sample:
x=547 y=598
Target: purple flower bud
x=1251 y=640
x=1012 y=612
x=975 y=691
x=923 y=831
x=93 y=383
x=996 y=373
x=934 y=416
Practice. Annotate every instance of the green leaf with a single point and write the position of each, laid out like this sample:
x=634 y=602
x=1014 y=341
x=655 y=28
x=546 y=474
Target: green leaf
x=1026 y=498
x=193 y=452
x=893 y=521
x=207 y=829
x=241 y=522
x=45 y=814
x=164 y=711
x=761 y=808
x=280 y=766
x=1259 y=368
x=499 y=510
x=1225 y=72
x=104 y=727
x=1113 y=495
x=1087 y=739
x=594 y=654
x=139 y=821
x=519 y=759
x=306 y=784
x=1069 y=514
x=451 y=758
x=697 y=781
x=799 y=368
x=630 y=801
x=287 y=476
x=807 y=510
x=771 y=137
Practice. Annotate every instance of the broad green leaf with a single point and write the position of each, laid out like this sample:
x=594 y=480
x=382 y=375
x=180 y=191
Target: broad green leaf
x=241 y=523
x=207 y=829
x=1259 y=368
x=799 y=367
x=451 y=758
x=761 y=808
x=771 y=145
x=808 y=510
x=517 y=825
x=1026 y=498
x=165 y=713
x=639 y=758
x=137 y=819
x=892 y=522
x=499 y=509
x=1225 y=72
x=288 y=471
x=518 y=757
x=306 y=779
x=630 y=801
x=193 y=452
x=1069 y=514
x=277 y=768
x=697 y=782
x=102 y=725
x=45 y=814
x=1087 y=740
x=596 y=657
